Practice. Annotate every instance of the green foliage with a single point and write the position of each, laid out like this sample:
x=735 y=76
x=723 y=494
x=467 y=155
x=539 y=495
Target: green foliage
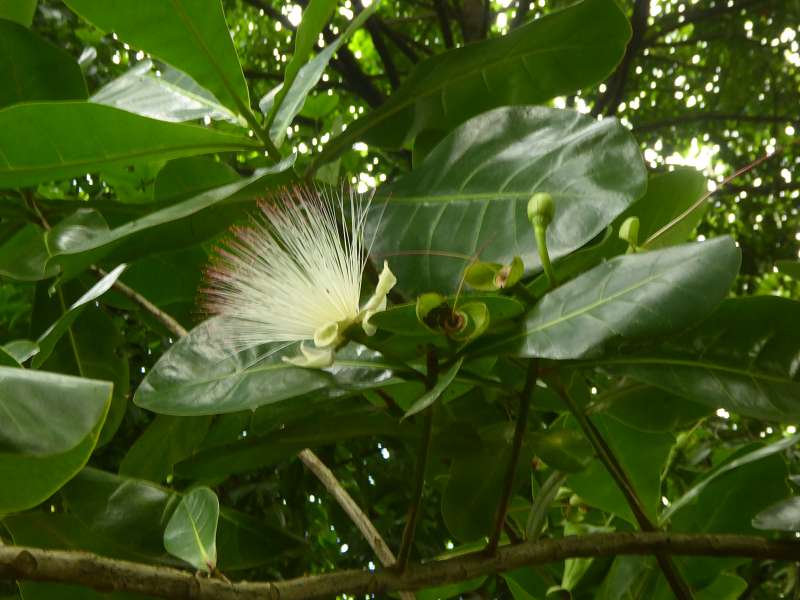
x=622 y=390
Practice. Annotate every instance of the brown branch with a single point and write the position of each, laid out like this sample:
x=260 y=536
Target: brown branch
x=714 y=116
x=106 y=574
x=615 y=91
x=444 y=22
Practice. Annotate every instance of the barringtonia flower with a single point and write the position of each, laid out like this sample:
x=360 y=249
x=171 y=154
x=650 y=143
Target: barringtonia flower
x=294 y=274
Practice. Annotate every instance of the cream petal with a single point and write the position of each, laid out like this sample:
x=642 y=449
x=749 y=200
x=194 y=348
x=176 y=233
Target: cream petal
x=312 y=358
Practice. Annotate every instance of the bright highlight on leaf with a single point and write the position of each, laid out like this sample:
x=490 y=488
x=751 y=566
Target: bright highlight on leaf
x=294 y=274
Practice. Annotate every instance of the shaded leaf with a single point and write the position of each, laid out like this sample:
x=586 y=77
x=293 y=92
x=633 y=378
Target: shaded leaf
x=433 y=394
x=34 y=69
x=20 y=11
x=783 y=516
x=24 y=256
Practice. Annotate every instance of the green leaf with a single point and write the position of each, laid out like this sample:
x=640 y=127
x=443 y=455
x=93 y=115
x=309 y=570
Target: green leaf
x=635 y=295
x=24 y=256
x=648 y=408
x=642 y=455
x=21 y=11
x=433 y=394
x=536 y=62
x=172 y=96
x=278 y=432
x=789 y=267
x=191 y=533
x=202 y=375
x=34 y=69
x=563 y=449
x=190 y=36
x=184 y=177
x=176 y=226
x=21 y=350
x=741 y=358
x=166 y=441
x=303 y=81
x=668 y=195
x=47 y=141
x=469 y=197
x=783 y=516
x=45 y=413
x=50 y=426
x=125 y=518
x=736 y=463
x=48 y=339
x=315 y=16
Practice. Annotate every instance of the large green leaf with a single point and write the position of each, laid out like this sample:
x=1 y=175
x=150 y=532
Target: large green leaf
x=20 y=11
x=291 y=102
x=630 y=296
x=191 y=532
x=172 y=96
x=49 y=428
x=45 y=413
x=742 y=358
x=45 y=141
x=191 y=36
x=557 y=54
x=176 y=226
x=203 y=375
x=469 y=196
x=125 y=518
x=33 y=69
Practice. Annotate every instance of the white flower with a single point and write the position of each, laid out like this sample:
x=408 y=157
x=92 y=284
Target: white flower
x=294 y=274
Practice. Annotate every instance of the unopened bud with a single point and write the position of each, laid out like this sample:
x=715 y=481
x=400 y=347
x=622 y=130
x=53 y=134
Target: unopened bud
x=541 y=209
x=629 y=231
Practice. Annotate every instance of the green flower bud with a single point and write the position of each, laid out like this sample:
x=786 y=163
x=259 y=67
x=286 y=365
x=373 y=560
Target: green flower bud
x=629 y=231
x=541 y=209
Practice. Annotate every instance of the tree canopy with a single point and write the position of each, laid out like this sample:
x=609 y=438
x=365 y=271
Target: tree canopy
x=422 y=298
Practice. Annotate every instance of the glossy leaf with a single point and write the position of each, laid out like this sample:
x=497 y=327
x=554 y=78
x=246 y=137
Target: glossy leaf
x=630 y=296
x=45 y=141
x=536 y=62
x=289 y=104
x=34 y=69
x=469 y=197
x=44 y=414
x=743 y=358
x=20 y=11
x=202 y=375
x=191 y=36
x=191 y=532
x=783 y=516
x=21 y=350
x=175 y=226
x=433 y=394
x=173 y=96
x=48 y=339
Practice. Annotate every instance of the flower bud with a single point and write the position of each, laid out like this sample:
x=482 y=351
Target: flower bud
x=629 y=231
x=541 y=209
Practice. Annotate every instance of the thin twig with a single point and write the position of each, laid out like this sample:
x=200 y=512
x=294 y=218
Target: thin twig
x=679 y=587
x=107 y=574
x=516 y=447
x=414 y=508
x=357 y=516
